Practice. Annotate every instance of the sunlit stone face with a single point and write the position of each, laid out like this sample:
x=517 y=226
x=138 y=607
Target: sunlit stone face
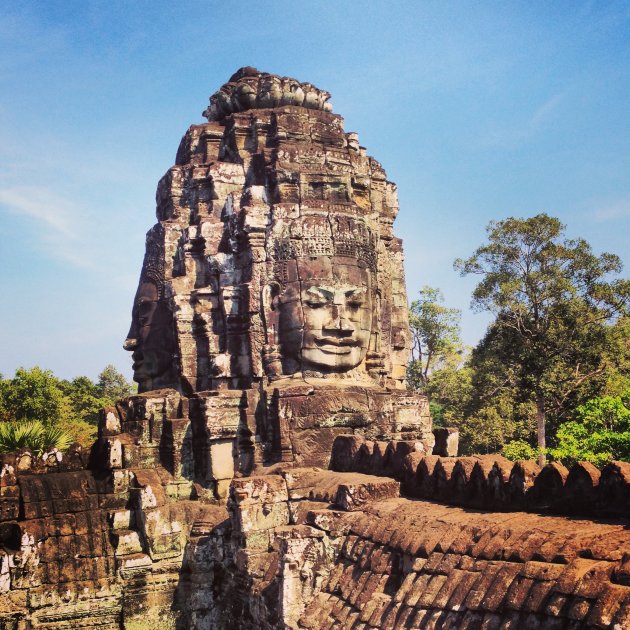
x=150 y=337
x=325 y=322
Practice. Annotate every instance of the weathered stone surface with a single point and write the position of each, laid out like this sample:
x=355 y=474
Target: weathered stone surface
x=274 y=263
x=404 y=560
x=356 y=495
x=446 y=442
x=489 y=481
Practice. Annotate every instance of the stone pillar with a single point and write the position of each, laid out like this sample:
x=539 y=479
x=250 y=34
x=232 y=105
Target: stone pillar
x=305 y=559
x=446 y=441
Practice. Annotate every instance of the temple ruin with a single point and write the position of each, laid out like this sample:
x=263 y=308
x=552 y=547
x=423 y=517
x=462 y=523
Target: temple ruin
x=274 y=471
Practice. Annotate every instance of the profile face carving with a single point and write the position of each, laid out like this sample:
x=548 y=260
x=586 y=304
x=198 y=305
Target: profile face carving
x=325 y=322
x=150 y=337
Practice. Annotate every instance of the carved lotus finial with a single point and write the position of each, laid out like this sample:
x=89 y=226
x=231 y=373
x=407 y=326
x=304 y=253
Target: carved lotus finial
x=248 y=88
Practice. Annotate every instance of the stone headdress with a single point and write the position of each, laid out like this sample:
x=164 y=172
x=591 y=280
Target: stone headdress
x=315 y=235
x=153 y=264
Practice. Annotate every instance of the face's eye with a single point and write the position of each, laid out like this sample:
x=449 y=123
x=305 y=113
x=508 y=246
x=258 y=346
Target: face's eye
x=355 y=299
x=315 y=303
x=145 y=308
x=355 y=302
x=316 y=297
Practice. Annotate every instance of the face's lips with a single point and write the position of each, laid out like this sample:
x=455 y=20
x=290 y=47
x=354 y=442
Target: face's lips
x=336 y=341
x=337 y=350
x=138 y=360
x=336 y=345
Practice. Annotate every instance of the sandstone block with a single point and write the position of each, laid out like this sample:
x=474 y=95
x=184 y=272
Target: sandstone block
x=127 y=541
x=356 y=496
x=221 y=459
x=263 y=489
x=446 y=441
x=521 y=480
x=332 y=522
x=614 y=487
x=548 y=488
x=344 y=451
x=607 y=605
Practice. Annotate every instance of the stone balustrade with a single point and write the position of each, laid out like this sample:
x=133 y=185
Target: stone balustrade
x=489 y=482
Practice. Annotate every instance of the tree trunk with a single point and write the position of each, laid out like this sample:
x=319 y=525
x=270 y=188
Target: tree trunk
x=540 y=423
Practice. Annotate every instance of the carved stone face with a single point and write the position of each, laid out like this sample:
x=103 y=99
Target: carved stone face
x=325 y=322
x=150 y=338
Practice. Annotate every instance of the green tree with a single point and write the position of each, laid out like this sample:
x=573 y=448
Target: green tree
x=435 y=335
x=70 y=407
x=84 y=399
x=113 y=385
x=488 y=428
x=34 y=435
x=33 y=394
x=5 y=410
x=554 y=307
x=518 y=449
x=618 y=359
x=600 y=432
x=450 y=392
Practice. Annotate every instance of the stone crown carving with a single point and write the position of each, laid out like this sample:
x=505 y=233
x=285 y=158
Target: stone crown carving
x=326 y=236
x=250 y=89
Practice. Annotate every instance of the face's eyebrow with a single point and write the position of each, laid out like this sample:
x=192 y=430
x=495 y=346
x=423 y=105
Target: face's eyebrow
x=321 y=292
x=356 y=291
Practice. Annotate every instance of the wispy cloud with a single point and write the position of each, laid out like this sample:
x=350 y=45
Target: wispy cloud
x=56 y=221
x=52 y=195
x=510 y=136
x=612 y=211
x=543 y=113
x=42 y=205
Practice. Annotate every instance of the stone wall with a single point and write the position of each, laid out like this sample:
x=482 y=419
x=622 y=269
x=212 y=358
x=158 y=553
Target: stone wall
x=490 y=482
x=87 y=549
x=297 y=548
x=414 y=564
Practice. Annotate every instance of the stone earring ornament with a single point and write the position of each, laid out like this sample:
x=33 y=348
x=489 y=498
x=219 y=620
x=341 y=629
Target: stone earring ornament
x=271 y=356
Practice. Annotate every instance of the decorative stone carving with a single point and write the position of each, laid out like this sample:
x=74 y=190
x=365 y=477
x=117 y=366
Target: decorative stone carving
x=250 y=89
x=150 y=337
x=274 y=269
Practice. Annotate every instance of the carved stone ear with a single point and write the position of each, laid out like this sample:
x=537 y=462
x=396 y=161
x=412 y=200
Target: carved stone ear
x=269 y=298
x=269 y=302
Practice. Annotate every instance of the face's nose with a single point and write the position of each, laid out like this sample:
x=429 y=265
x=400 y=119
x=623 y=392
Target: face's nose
x=338 y=320
x=130 y=344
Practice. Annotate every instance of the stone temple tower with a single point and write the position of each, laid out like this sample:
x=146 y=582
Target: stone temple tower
x=272 y=294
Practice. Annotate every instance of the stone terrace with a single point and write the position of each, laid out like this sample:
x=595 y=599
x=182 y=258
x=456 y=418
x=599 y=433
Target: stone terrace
x=415 y=564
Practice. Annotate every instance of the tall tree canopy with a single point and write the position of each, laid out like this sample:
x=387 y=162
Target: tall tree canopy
x=435 y=335
x=554 y=302
x=113 y=385
x=32 y=394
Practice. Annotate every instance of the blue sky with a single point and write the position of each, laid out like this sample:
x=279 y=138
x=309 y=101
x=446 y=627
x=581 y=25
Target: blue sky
x=477 y=110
